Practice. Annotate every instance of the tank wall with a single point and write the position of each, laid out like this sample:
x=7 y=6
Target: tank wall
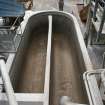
x=80 y=59
x=33 y=25
x=19 y=57
x=61 y=23
x=66 y=25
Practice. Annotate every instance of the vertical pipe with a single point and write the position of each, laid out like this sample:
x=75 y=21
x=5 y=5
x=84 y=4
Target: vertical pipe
x=48 y=62
x=7 y=83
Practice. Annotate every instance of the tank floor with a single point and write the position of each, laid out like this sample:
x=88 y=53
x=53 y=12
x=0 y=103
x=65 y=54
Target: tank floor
x=32 y=72
x=66 y=74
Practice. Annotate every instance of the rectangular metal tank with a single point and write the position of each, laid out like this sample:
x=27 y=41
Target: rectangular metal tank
x=68 y=60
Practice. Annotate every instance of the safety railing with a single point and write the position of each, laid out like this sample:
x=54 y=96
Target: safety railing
x=94 y=83
x=8 y=36
x=96 y=17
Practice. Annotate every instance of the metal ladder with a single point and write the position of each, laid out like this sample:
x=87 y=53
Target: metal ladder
x=7 y=83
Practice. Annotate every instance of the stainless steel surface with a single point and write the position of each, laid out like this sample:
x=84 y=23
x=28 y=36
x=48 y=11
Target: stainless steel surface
x=69 y=59
x=96 y=55
x=48 y=61
x=9 y=39
x=31 y=71
x=65 y=65
x=66 y=71
x=65 y=100
x=7 y=83
x=6 y=41
x=96 y=19
x=92 y=87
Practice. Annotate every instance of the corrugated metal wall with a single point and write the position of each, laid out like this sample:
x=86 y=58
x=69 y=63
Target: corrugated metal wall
x=11 y=8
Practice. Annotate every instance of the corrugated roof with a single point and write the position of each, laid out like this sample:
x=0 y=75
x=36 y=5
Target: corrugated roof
x=11 y=8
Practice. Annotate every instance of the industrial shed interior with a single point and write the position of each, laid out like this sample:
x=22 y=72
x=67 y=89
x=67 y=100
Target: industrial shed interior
x=52 y=52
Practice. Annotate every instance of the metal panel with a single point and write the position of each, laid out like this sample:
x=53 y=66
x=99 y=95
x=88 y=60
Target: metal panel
x=11 y=8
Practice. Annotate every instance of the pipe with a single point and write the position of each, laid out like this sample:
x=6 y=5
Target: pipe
x=7 y=83
x=48 y=61
x=92 y=88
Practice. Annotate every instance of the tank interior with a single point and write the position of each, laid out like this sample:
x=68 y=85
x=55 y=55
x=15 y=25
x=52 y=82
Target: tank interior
x=66 y=70
x=52 y=52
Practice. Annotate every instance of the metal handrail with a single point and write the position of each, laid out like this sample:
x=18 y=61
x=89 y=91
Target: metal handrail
x=92 y=18
x=92 y=88
x=7 y=83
